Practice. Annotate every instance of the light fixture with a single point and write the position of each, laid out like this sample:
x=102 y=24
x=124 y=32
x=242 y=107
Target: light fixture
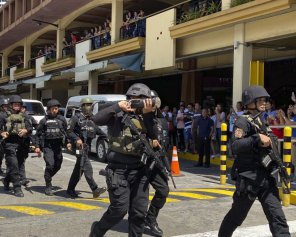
x=40 y=22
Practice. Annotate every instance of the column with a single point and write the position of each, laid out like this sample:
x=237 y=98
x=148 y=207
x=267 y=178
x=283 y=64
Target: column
x=226 y=4
x=188 y=82
x=27 y=53
x=4 y=64
x=60 y=37
x=242 y=56
x=116 y=20
x=33 y=92
x=93 y=83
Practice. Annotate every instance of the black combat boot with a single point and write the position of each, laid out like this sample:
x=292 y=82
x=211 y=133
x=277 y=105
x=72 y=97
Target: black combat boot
x=98 y=191
x=18 y=192
x=95 y=231
x=5 y=184
x=25 y=182
x=72 y=193
x=48 y=190
x=153 y=227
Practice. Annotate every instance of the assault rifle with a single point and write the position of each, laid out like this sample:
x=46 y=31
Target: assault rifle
x=82 y=153
x=271 y=156
x=149 y=153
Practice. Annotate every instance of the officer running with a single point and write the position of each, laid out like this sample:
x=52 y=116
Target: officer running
x=3 y=109
x=157 y=178
x=15 y=127
x=81 y=131
x=51 y=135
x=252 y=179
x=125 y=173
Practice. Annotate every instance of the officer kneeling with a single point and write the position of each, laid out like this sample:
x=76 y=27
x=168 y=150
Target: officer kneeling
x=125 y=173
x=253 y=178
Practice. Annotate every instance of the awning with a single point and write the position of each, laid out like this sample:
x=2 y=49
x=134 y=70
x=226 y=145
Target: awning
x=132 y=62
x=10 y=86
x=88 y=67
x=38 y=79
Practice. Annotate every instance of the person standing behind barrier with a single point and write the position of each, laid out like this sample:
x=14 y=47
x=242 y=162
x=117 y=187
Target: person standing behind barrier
x=220 y=118
x=14 y=128
x=3 y=112
x=82 y=130
x=194 y=131
x=180 y=128
x=205 y=126
x=171 y=128
x=253 y=180
x=51 y=135
x=125 y=173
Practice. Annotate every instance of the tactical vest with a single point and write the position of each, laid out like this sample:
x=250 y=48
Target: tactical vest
x=87 y=128
x=53 y=129
x=15 y=122
x=128 y=143
x=162 y=132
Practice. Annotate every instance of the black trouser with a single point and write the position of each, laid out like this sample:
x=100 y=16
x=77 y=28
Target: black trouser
x=128 y=192
x=204 y=149
x=1 y=155
x=14 y=156
x=181 y=142
x=160 y=183
x=87 y=170
x=53 y=158
x=270 y=201
x=25 y=150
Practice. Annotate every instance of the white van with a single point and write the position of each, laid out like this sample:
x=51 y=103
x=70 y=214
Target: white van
x=100 y=143
x=35 y=109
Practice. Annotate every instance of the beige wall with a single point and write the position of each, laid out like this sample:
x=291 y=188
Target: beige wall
x=160 y=47
x=205 y=42
x=276 y=26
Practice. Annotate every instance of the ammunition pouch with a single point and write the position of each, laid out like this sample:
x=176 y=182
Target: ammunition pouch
x=245 y=187
x=114 y=180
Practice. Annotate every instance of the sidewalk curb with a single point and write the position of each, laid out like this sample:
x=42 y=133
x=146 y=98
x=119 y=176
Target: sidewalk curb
x=194 y=157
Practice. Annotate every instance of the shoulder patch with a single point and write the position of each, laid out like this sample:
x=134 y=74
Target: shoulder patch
x=239 y=133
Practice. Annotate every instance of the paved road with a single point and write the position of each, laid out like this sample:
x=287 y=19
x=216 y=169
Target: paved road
x=197 y=206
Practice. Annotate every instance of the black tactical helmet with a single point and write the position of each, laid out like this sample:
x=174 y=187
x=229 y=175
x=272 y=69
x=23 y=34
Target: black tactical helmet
x=251 y=93
x=154 y=94
x=138 y=89
x=4 y=101
x=15 y=99
x=86 y=100
x=53 y=102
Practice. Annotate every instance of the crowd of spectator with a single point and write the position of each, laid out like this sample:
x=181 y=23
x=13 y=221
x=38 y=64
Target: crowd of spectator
x=49 y=51
x=198 y=130
x=134 y=25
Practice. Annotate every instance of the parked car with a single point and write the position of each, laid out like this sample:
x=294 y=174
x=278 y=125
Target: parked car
x=100 y=143
x=35 y=108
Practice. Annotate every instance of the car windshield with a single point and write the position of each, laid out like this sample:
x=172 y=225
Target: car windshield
x=34 y=108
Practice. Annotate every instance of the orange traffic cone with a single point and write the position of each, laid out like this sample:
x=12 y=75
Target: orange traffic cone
x=175 y=168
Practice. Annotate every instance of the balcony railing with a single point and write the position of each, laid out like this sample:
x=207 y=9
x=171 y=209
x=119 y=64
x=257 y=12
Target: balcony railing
x=196 y=9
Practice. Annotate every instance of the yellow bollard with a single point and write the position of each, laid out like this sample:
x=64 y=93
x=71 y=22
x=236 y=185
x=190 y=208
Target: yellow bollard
x=287 y=159
x=223 y=152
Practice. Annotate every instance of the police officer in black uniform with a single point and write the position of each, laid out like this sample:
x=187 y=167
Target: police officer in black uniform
x=14 y=128
x=81 y=131
x=3 y=109
x=157 y=178
x=28 y=140
x=125 y=173
x=51 y=135
x=253 y=180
